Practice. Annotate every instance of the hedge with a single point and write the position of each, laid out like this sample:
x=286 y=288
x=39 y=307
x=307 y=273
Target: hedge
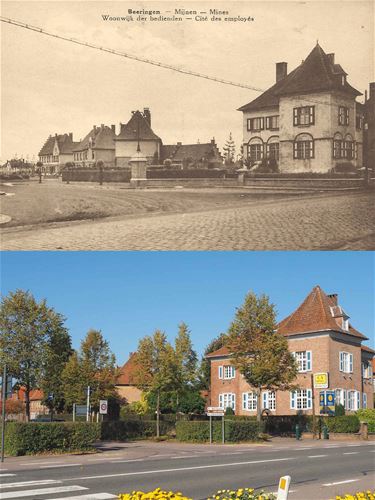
x=345 y=423
x=33 y=437
x=235 y=431
x=123 y=430
x=367 y=415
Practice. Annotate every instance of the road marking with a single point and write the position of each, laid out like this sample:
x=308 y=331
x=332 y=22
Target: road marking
x=212 y=466
x=307 y=448
x=29 y=483
x=38 y=463
x=41 y=491
x=341 y=482
x=184 y=456
x=64 y=465
x=351 y=453
x=6 y=475
x=317 y=456
x=353 y=445
x=119 y=461
x=91 y=496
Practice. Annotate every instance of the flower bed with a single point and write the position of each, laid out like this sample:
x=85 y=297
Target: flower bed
x=242 y=494
x=362 y=495
x=157 y=494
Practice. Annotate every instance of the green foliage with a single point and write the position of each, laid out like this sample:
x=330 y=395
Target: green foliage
x=229 y=411
x=30 y=438
x=235 y=430
x=123 y=430
x=205 y=367
x=346 y=423
x=173 y=402
x=367 y=415
x=186 y=358
x=339 y=410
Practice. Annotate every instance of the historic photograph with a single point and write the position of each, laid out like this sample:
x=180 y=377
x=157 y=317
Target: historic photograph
x=234 y=126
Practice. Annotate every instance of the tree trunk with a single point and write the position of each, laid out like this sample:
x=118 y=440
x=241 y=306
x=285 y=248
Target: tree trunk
x=259 y=407
x=27 y=402
x=158 y=415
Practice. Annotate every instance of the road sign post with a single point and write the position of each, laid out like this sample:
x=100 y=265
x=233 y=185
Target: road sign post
x=210 y=429
x=215 y=411
x=3 y=400
x=103 y=407
x=282 y=492
x=88 y=403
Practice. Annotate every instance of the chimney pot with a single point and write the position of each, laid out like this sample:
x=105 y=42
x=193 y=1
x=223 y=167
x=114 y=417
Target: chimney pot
x=334 y=298
x=94 y=127
x=102 y=125
x=372 y=90
x=331 y=58
x=179 y=144
x=147 y=115
x=71 y=135
x=113 y=127
x=281 y=70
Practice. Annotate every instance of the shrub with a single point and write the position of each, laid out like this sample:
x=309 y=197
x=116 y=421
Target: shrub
x=29 y=438
x=157 y=494
x=229 y=411
x=242 y=494
x=345 y=423
x=367 y=415
x=235 y=430
x=362 y=495
x=123 y=430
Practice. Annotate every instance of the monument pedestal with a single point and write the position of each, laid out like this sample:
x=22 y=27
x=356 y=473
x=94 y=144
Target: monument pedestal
x=138 y=165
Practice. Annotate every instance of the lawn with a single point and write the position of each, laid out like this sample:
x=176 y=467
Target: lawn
x=54 y=201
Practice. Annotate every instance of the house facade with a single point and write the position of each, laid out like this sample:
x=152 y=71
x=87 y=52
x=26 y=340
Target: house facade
x=56 y=151
x=97 y=145
x=205 y=155
x=125 y=383
x=308 y=121
x=322 y=340
x=369 y=128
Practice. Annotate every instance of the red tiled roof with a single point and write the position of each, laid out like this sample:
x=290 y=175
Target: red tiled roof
x=196 y=152
x=101 y=138
x=367 y=349
x=126 y=375
x=223 y=351
x=316 y=74
x=35 y=394
x=137 y=127
x=314 y=315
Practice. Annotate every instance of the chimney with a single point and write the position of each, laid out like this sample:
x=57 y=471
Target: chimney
x=179 y=144
x=331 y=58
x=334 y=298
x=213 y=140
x=94 y=127
x=113 y=127
x=147 y=115
x=102 y=125
x=71 y=136
x=281 y=70
x=372 y=91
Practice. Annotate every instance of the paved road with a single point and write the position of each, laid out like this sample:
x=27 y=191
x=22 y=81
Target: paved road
x=328 y=222
x=319 y=470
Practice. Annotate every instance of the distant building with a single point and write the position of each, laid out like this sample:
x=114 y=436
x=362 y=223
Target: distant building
x=369 y=128
x=57 y=151
x=308 y=121
x=136 y=132
x=97 y=145
x=193 y=155
x=125 y=384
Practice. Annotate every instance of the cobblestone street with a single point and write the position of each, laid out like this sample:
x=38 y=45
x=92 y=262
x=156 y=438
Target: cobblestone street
x=330 y=222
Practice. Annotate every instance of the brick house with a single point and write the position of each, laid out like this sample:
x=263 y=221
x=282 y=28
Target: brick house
x=125 y=384
x=308 y=121
x=369 y=128
x=205 y=155
x=56 y=151
x=323 y=340
x=97 y=145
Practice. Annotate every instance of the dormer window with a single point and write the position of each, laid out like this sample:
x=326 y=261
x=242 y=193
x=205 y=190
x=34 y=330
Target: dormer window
x=343 y=79
x=345 y=324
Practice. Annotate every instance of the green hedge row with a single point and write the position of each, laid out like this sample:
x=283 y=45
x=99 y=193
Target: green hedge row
x=367 y=415
x=345 y=423
x=33 y=437
x=122 y=430
x=235 y=431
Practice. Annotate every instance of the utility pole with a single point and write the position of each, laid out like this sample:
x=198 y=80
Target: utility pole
x=3 y=399
x=88 y=404
x=313 y=406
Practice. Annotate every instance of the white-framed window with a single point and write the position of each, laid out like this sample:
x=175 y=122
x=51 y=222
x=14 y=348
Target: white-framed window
x=346 y=362
x=303 y=147
x=353 y=400
x=227 y=400
x=255 y=152
x=305 y=115
x=304 y=360
x=249 y=401
x=229 y=371
x=255 y=124
x=341 y=397
x=364 y=400
x=343 y=115
x=301 y=399
x=273 y=150
x=269 y=400
x=366 y=369
x=272 y=122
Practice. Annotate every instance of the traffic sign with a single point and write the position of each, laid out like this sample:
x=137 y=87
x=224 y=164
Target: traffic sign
x=215 y=411
x=320 y=380
x=81 y=410
x=103 y=407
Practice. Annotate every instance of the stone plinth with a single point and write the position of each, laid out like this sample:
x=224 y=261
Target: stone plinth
x=138 y=165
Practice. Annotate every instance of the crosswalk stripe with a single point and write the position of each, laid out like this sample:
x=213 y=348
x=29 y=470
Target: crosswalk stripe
x=90 y=496
x=29 y=483
x=41 y=491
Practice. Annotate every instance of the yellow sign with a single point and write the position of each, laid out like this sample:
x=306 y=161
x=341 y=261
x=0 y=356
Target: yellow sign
x=320 y=380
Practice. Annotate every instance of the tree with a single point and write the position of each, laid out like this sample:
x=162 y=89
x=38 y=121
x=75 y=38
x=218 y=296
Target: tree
x=257 y=350
x=156 y=368
x=229 y=150
x=186 y=360
x=27 y=330
x=205 y=366
x=73 y=384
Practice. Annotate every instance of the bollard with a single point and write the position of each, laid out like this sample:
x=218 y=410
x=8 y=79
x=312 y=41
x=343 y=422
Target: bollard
x=325 y=432
x=364 y=431
x=298 y=432
x=282 y=492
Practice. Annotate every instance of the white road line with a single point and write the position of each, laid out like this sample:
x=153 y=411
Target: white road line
x=64 y=465
x=90 y=496
x=39 y=463
x=196 y=467
x=317 y=456
x=353 y=445
x=6 y=475
x=42 y=491
x=307 y=448
x=184 y=456
x=22 y=484
x=351 y=453
x=119 y=461
x=341 y=482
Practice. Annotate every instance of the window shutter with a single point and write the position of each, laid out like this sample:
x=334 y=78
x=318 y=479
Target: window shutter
x=344 y=399
x=341 y=361
x=350 y=363
x=364 y=398
x=312 y=114
x=358 y=400
x=220 y=372
x=309 y=360
x=234 y=402
x=309 y=399
x=265 y=394
x=221 y=400
x=233 y=372
x=293 y=397
x=295 y=116
x=295 y=150
x=244 y=398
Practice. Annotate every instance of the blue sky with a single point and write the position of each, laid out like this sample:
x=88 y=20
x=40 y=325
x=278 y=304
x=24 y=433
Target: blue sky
x=128 y=295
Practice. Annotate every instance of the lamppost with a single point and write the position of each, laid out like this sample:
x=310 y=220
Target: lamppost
x=138 y=165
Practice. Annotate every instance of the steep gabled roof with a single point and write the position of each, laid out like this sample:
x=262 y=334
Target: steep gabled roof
x=126 y=375
x=314 y=315
x=366 y=348
x=137 y=127
x=64 y=141
x=194 y=151
x=316 y=74
x=223 y=351
x=101 y=138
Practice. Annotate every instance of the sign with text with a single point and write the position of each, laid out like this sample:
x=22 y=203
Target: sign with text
x=81 y=410
x=320 y=380
x=103 y=407
x=327 y=402
x=215 y=411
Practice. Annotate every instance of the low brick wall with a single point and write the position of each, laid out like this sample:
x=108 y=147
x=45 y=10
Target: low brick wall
x=307 y=183
x=196 y=183
x=91 y=175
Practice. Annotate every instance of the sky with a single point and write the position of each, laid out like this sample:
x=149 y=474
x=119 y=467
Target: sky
x=51 y=86
x=128 y=295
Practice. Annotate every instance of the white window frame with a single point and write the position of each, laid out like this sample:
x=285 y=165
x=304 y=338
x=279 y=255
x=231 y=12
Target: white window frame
x=353 y=399
x=220 y=372
x=249 y=401
x=346 y=362
x=364 y=400
x=366 y=370
x=229 y=372
x=301 y=399
x=340 y=397
x=304 y=360
x=269 y=400
x=227 y=400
